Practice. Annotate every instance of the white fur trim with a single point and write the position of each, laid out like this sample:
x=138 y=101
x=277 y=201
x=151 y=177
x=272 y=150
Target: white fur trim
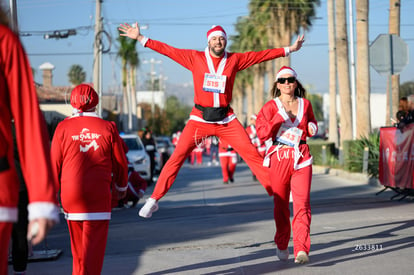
x=216 y=33
x=285 y=71
x=314 y=127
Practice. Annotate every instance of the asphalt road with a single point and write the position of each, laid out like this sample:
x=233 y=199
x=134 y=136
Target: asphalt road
x=206 y=227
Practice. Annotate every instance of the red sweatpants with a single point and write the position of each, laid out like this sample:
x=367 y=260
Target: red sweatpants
x=228 y=166
x=195 y=133
x=285 y=179
x=88 y=243
x=5 y=236
x=196 y=157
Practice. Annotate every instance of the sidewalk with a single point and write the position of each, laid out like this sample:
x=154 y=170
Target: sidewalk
x=205 y=227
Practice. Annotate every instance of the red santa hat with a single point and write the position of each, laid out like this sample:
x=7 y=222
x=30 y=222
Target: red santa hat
x=84 y=98
x=285 y=70
x=216 y=31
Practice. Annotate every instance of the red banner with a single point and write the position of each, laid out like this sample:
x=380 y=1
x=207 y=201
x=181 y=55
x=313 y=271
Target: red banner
x=396 y=160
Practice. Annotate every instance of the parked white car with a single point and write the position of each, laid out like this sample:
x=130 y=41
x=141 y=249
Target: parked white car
x=137 y=155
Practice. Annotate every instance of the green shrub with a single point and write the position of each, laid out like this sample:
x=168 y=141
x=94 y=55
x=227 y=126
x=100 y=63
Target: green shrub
x=354 y=154
x=316 y=149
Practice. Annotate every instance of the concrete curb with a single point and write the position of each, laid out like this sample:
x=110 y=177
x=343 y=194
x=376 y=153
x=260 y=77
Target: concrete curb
x=345 y=174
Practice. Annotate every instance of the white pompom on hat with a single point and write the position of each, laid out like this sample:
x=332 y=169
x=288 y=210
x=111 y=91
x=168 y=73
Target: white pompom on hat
x=253 y=116
x=285 y=70
x=216 y=31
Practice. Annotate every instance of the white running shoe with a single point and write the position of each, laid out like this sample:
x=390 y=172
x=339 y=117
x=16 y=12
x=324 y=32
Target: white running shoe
x=283 y=255
x=302 y=258
x=150 y=206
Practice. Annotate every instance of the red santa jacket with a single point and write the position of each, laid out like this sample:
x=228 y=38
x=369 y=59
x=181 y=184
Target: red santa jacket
x=18 y=102
x=272 y=116
x=196 y=62
x=88 y=155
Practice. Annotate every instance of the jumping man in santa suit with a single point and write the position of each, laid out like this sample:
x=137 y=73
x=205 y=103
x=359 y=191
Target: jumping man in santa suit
x=214 y=71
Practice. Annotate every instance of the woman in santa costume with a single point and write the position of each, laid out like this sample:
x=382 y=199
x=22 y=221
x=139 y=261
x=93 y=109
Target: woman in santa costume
x=283 y=124
x=88 y=155
x=214 y=71
x=19 y=107
x=228 y=161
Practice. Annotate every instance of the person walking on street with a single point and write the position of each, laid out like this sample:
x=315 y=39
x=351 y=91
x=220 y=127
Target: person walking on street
x=283 y=124
x=214 y=71
x=213 y=151
x=19 y=106
x=228 y=161
x=150 y=148
x=88 y=156
x=251 y=131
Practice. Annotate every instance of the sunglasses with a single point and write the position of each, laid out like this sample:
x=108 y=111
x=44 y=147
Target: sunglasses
x=282 y=80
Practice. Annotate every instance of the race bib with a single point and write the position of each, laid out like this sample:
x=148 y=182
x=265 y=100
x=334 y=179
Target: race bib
x=289 y=135
x=214 y=83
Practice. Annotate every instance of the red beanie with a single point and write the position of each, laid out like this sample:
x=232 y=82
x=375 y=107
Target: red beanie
x=84 y=98
x=285 y=70
x=216 y=31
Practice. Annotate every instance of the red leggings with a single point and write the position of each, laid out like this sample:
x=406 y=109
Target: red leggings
x=196 y=132
x=88 y=243
x=228 y=166
x=284 y=180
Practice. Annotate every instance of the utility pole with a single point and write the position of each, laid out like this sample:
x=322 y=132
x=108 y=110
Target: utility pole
x=13 y=16
x=152 y=61
x=97 y=55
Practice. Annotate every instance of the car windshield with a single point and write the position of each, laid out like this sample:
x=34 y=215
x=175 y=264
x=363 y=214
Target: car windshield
x=133 y=144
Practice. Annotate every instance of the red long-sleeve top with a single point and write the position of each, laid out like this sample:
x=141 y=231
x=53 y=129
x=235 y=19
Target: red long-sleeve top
x=88 y=156
x=196 y=62
x=18 y=102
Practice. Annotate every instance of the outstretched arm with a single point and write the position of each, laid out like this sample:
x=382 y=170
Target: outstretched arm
x=132 y=32
x=298 y=43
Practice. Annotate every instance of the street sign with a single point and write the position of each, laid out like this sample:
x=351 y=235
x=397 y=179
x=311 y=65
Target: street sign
x=388 y=54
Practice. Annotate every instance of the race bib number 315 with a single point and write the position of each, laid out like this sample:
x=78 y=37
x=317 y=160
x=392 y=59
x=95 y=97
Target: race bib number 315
x=214 y=83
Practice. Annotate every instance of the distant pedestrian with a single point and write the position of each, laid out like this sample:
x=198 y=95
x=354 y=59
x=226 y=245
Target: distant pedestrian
x=228 y=161
x=214 y=71
x=251 y=131
x=283 y=124
x=214 y=143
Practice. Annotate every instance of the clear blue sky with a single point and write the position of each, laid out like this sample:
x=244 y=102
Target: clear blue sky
x=183 y=24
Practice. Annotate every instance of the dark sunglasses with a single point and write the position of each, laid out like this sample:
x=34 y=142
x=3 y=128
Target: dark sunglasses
x=282 y=80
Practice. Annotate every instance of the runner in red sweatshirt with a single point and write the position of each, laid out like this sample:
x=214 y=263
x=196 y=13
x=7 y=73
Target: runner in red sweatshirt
x=88 y=155
x=214 y=71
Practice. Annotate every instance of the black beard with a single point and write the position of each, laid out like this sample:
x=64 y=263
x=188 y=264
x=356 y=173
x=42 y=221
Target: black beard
x=218 y=53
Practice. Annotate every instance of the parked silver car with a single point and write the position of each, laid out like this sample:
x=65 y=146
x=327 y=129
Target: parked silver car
x=137 y=155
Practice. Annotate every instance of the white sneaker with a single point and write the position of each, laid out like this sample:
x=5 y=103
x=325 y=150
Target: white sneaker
x=150 y=206
x=283 y=255
x=301 y=258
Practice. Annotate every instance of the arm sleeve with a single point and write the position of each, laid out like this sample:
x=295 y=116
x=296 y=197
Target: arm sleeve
x=119 y=161
x=31 y=133
x=183 y=57
x=248 y=59
x=268 y=121
x=311 y=120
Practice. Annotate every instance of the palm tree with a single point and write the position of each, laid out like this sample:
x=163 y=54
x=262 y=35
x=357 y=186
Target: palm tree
x=363 y=123
x=333 y=121
x=244 y=81
x=129 y=58
x=76 y=74
x=343 y=71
